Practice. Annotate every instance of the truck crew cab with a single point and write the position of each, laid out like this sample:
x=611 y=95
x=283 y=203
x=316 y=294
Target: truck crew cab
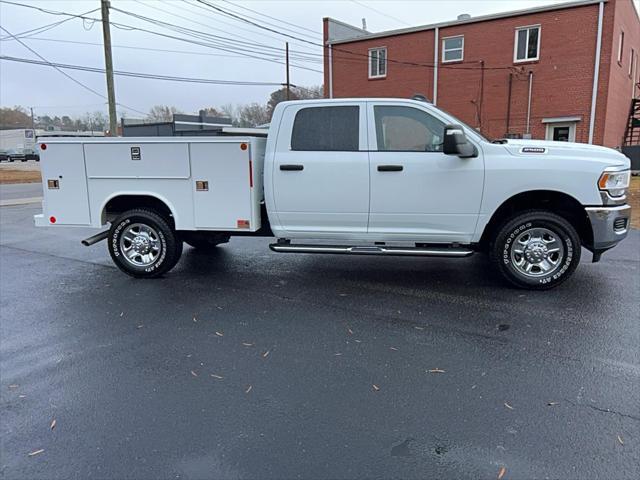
x=347 y=176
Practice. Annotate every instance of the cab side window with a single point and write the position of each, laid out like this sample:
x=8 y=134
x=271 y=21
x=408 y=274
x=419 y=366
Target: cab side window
x=407 y=129
x=333 y=129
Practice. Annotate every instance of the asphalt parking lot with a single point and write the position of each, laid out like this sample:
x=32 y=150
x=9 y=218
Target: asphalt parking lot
x=250 y=364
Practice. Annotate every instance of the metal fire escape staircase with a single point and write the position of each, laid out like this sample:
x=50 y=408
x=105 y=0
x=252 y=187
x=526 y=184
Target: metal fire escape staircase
x=632 y=132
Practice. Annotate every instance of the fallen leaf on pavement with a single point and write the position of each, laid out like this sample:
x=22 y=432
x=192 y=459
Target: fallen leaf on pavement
x=350 y=331
x=216 y=376
x=246 y=344
x=620 y=440
x=140 y=326
x=501 y=473
x=376 y=387
x=337 y=354
x=194 y=373
x=436 y=370
x=248 y=389
x=508 y=406
x=551 y=404
x=53 y=424
x=121 y=314
x=265 y=354
x=393 y=348
x=419 y=328
x=195 y=319
x=36 y=452
x=220 y=334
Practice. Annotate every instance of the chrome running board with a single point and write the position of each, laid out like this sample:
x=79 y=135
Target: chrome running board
x=284 y=247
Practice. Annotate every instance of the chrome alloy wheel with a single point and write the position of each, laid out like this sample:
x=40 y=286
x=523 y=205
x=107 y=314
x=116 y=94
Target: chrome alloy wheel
x=140 y=245
x=537 y=252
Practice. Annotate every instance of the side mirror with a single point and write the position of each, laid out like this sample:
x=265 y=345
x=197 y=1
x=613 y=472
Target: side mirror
x=456 y=143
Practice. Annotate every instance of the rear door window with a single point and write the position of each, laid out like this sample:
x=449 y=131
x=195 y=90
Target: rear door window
x=333 y=129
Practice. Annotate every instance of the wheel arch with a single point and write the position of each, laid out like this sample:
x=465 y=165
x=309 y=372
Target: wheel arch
x=554 y=201
x=122 y=201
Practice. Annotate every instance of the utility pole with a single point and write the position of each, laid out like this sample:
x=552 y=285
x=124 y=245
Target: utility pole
x=108 y=61
x=32 y=122
x=287 y=62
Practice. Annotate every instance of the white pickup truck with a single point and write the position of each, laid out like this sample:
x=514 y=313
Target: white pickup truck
x=348 y=176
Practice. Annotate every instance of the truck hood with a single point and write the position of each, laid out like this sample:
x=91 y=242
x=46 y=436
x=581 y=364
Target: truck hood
x=554 y=150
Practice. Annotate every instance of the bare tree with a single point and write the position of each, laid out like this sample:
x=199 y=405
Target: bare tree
x=15 y=117
x=296 y=93
x=253 y=115
x=162 y=113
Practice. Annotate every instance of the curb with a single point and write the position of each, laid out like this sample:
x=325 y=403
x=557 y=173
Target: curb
x=20 y=201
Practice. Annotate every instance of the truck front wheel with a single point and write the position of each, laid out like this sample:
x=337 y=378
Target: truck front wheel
x=537 y=250
x=143 y=244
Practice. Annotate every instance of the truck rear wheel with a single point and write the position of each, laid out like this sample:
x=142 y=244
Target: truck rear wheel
x=142 y=243
x=537 y=250
x=205 y=240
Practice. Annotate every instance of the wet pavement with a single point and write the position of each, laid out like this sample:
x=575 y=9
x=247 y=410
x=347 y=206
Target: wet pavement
x=250 y=364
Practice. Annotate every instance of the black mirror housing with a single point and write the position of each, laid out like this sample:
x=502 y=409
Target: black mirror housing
x=456 y=143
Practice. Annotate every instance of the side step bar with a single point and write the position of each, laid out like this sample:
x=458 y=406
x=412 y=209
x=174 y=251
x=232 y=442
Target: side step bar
x=372 y=250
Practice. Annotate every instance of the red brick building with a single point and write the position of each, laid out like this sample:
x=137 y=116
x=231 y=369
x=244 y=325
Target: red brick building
x=564 y=72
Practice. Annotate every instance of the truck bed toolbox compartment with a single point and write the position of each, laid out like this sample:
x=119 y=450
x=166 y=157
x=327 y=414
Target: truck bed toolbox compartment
x=65 y=186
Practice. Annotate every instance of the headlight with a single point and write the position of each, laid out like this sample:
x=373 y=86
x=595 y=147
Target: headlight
x=615 y=183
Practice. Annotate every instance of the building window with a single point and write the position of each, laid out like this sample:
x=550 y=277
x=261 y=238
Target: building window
x=377 y=62
x=620 y=47
x=407 y=129
x=527 y=44
x=452 y=49
x=561 y=132
x=321 y=129
x=631 y=59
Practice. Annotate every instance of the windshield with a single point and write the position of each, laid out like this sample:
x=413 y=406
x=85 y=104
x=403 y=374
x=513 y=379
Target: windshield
x=474 y=130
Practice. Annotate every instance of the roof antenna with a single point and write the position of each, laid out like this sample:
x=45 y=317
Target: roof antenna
x=364 y=24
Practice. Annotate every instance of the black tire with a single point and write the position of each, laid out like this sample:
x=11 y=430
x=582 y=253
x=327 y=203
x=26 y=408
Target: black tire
x=542 y=232
x=158 y=233
x=205 y=240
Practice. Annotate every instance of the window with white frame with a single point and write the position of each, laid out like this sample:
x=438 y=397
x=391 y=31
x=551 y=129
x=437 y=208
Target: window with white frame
x=378 y=62
x=452 y=49
x=620 y=46
x=527 y=44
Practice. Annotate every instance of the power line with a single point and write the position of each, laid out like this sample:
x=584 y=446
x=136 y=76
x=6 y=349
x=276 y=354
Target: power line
x=262 y=14
x=234 y=34
x=78 y=82
x=132 y=47
x=139 y=74
x=249 y=49
x=49 y=26
x=212 y=17
x=381 y=13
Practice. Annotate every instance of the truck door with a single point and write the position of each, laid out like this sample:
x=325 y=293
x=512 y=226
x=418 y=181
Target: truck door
x=321 y=169
x=417 y=192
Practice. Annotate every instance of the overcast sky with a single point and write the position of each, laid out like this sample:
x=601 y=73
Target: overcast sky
x=48 y=91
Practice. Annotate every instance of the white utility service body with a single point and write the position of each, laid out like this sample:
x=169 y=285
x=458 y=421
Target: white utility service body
x=372 y=176
x=92 y=171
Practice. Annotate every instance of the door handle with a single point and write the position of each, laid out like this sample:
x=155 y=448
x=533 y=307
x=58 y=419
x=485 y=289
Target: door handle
x=390 y=168
x=291 y=168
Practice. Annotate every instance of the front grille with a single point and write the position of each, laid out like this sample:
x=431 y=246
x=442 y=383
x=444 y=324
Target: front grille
x=620 y=224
